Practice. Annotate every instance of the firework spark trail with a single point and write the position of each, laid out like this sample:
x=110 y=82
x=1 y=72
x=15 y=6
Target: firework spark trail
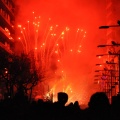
x=45 y=36
x=51 y=39
x=28 y=33
x=47 y=52
x=67 y=46
x=56 y=43
x=48 y=48
x=77 y=39
x=50 y=42
x=24 y=38
x=44 y=50
x=46 y=28
x=47 y=42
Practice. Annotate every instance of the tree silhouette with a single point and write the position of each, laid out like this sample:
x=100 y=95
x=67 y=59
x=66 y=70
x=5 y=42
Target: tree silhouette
x=23 y=73
x=5 y=60
x=18 y=73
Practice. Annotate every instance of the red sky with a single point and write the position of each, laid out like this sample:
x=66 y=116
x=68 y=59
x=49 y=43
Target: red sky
x=87 y=14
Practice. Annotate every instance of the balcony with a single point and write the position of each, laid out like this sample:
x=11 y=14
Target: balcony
x=7 y=23
x=5 y=48
x=7 y=8
x=6 y=36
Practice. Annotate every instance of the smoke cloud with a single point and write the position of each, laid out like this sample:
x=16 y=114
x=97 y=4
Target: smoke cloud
x=85 y=14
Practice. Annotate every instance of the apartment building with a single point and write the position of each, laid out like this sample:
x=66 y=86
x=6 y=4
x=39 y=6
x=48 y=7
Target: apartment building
x=7 y=23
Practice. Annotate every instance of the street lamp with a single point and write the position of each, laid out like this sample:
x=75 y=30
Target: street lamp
x=113 y=44
x=108 y=26
x=105 y=27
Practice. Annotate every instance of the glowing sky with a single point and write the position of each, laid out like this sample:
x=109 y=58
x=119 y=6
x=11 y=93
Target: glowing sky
x=85 y=14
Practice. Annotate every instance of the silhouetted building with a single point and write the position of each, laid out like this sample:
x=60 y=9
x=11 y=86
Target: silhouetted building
x=7 y=22
x=7 y=35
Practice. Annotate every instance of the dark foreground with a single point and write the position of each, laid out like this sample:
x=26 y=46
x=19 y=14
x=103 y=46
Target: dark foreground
x=99 y=108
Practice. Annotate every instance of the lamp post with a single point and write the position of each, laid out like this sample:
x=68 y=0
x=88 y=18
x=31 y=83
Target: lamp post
x=105 y=27
x=114 y=44
x=108 y=26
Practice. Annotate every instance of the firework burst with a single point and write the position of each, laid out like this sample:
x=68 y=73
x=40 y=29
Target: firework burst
x=55 y=48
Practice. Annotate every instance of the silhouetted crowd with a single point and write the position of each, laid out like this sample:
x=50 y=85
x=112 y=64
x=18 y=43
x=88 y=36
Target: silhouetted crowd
x=99 y=108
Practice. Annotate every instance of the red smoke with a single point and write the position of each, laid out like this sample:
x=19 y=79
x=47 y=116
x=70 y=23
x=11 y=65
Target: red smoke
x=84 y=14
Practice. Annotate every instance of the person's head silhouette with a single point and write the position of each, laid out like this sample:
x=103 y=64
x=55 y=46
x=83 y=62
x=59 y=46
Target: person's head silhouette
x=62 y=98
x=99 y=100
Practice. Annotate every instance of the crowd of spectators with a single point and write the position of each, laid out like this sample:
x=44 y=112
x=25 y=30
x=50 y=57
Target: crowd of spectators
x=99 y=108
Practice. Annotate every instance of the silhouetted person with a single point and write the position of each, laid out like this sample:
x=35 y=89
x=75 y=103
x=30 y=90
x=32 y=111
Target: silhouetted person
x=59 y=108
x=74 y=111
x=98 y=107
x=115 y=107
x=62 y=98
